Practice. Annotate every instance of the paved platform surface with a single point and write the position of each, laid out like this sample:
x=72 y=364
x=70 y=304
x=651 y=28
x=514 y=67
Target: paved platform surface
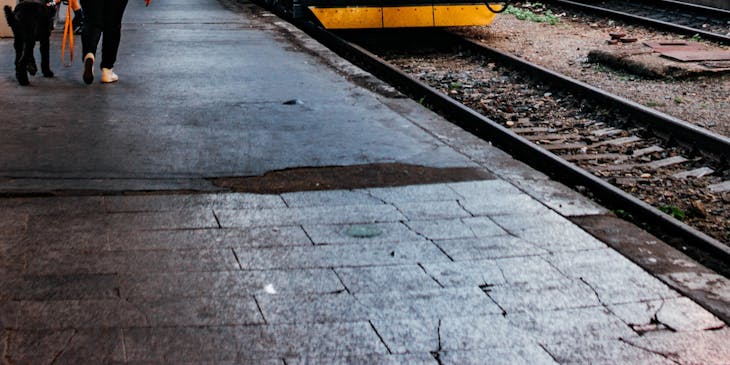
x=142 y=270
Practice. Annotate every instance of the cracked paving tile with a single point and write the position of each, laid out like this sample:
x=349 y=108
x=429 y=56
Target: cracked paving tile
x=386 y=279
x=578 y=350
x=466 y=273
x=590 y=322
x=697 y=347
x=681 y=314
x=521 y=298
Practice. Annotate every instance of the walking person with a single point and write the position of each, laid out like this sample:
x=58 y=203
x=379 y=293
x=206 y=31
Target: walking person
x=102 y=17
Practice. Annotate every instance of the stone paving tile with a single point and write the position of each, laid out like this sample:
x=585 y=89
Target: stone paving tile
x=591 y=322
x=466 y=273
x=52 y=205
x=700 y=347
x=532 y=271
x=343 y=233
x=432 y=210
x=231 y=343
x=189 y=219
x=511 y=169
x=55 y=287
x=329 y=198
x=68 y=347
x=414 y=193
x=230 y=283
x=561 y=239
x=209 y=238
x=295 y=309
x=428 y=304
x=484 y=332
x=504 y=205
x=380 y=359
x=340 y=338
x=198 y=344
x=484 y=189
x=615 y=279
x=386 y=279
x=59 y=314
x=67 y=240
x=616 y=288
x=578 y=351
x=451 y=333
x=518 y=298
x=409 y=336
x=484 y=227
x=560 y=198
x=529 y=355
x=477 y=149
x=681 y=315
x=194 y=218
x=581 y=264
x=519 y=222
x=325 y=256
x=199 y=311
x=308 y=215
x=256 y=361
x=488 y=248
x=177 y=202
x=109 y=262
x=441 y=229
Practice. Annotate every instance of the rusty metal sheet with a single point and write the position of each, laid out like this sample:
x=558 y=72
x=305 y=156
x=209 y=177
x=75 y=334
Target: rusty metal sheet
x=694 y=56
x=688 y=51
x=661 y=46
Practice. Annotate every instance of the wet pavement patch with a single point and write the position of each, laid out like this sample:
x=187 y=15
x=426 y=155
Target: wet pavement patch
x=349 y=177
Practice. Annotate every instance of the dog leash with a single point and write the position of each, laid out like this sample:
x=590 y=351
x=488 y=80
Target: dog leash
x=68 y=33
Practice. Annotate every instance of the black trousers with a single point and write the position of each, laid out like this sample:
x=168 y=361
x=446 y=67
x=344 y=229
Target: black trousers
x=103 y=16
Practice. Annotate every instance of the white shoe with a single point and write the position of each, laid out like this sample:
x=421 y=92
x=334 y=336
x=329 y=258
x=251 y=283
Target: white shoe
x=89 y=68
x=108 y=75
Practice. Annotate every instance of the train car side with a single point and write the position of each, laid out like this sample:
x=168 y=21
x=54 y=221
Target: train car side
x=364 y=14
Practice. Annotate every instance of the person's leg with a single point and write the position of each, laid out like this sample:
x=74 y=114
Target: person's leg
x=91 y=34
x=94 y=24
x=114 y=11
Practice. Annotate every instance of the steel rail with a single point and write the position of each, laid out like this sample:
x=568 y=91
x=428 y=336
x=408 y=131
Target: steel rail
x=681 y=29
x=696 y=7
x=657 y=222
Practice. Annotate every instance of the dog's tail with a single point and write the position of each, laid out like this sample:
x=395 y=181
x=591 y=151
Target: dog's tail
x=9 y=16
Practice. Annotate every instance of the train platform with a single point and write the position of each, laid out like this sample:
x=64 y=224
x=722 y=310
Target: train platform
x=243 y=196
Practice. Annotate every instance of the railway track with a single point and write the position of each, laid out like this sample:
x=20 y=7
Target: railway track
x=681 y=18
x=596 y=160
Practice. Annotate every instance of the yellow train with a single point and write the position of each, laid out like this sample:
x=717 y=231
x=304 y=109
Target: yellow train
x=364 y=14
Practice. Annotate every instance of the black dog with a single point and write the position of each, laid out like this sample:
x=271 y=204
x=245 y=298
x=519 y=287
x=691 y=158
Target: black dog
x=31 y=21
